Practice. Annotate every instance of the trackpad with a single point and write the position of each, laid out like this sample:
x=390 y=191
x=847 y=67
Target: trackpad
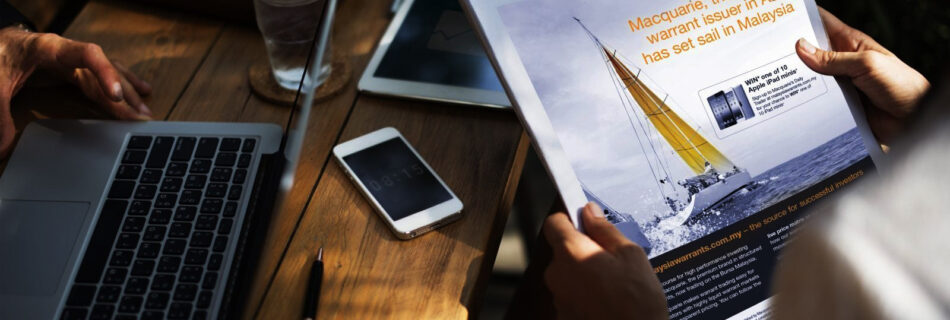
x=36 y=241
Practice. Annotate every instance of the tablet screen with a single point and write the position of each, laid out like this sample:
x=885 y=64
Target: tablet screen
x=435 y=44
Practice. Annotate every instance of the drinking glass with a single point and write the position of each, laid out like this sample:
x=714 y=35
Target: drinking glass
x=288 y=27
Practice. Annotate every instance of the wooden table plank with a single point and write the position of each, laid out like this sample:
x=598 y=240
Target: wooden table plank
x=163 y=48
x=358 y=26
x=370 y=273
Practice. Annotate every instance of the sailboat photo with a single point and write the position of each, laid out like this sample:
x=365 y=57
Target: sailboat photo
x=714 y=177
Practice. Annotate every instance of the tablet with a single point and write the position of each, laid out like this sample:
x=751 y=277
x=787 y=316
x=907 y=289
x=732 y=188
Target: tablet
x=431 y=52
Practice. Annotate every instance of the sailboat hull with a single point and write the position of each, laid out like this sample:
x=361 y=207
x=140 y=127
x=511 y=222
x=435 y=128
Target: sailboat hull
x=711 y=196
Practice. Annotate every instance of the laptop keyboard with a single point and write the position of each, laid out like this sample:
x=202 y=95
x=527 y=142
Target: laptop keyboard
x=158 y=247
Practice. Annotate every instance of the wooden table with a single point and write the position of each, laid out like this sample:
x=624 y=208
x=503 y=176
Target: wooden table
x=198 y=68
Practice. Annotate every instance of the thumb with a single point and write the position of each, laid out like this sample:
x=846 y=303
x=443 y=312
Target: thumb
x=7 y=128
x=836 y=63
x=602 y=231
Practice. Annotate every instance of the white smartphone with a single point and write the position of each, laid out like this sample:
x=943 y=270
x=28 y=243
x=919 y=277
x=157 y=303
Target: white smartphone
x=405 y=191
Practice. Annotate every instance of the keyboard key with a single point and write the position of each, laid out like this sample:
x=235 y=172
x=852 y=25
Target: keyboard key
x=130 y=304
x=169 y=264
x=143 y=267
x=221 y=175
x=149 y=250
x=102 y=312
x=249 y=145
x=185 y=213
x=171 y=184
x=133 y=224
x=190 y=274
x=230 y=208
x=220 y=243
x=217 y=190
x=211 y=280
x=190 y=197
x=153 y=315
x=206 y=222
x=196 y=256
x=128 y=172
x=179 y=230
x=136 y=286
x=239 y=176
x=94 y=261
x=211 y=206
x=125 y=317
x=160 y=216
x=201 y=239
x=151 y=176
x=204 y=299
x=134 y=157
x=225 y=226
x=81 y=295
x=200 y=166
x=74 y=314
x=157 y=300
x=121 y=258
x=127 y=241
x=163 y=282
x=184 y=148
x=176 y=169
x=230 y=144
x=166 y=200
x=140 y=142
x=179 y=310
x=225 y=159
x=174 y=246
x=196 y=181
x=160 y=151
x=214 y=262
x=154 y=233
x=235 y=192
x=121 y=189
x=140 y=207
x=244 y=161
x=145 y=191
x=206 y=148
x=115 y=276
x=185 y=292
x=108 y=294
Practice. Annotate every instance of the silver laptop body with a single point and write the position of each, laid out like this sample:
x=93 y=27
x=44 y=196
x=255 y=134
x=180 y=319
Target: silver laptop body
x=63 y=188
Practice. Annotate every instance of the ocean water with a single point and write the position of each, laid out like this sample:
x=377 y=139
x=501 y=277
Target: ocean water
x=768 y=188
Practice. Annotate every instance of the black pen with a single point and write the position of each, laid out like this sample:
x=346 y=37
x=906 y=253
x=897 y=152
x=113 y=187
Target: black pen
x=313 y=292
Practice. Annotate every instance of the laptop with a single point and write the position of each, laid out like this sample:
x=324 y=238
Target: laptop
x=143 y=220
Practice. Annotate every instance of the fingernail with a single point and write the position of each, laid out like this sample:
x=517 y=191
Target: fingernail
x=808 y=47
x=143 y=117
x=594 y=211
x=117 y=91
x=143 y=109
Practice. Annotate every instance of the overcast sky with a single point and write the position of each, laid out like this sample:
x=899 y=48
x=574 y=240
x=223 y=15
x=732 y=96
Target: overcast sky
x=575 y=87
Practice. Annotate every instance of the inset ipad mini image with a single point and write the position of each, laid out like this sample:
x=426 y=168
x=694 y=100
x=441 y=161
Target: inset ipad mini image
x=730 y=106
x=408 y=195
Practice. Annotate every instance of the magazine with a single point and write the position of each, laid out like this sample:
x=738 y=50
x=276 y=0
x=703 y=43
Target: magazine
x=694 y=125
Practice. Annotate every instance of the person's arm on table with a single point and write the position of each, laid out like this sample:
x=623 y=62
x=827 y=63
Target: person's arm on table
x=116 y=90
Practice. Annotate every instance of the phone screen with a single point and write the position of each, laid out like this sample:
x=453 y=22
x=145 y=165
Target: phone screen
x=398 y=179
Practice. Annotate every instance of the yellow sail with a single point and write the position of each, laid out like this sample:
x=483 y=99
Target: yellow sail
x=689 y=144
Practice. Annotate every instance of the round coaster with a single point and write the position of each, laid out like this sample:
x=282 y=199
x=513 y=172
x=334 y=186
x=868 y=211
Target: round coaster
x=264 y=86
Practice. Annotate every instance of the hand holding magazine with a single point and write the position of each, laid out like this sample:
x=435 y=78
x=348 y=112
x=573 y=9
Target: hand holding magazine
x=695 y=126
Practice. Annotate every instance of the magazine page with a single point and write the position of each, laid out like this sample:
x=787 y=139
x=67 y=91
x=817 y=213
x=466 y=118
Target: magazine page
x=694 y=124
